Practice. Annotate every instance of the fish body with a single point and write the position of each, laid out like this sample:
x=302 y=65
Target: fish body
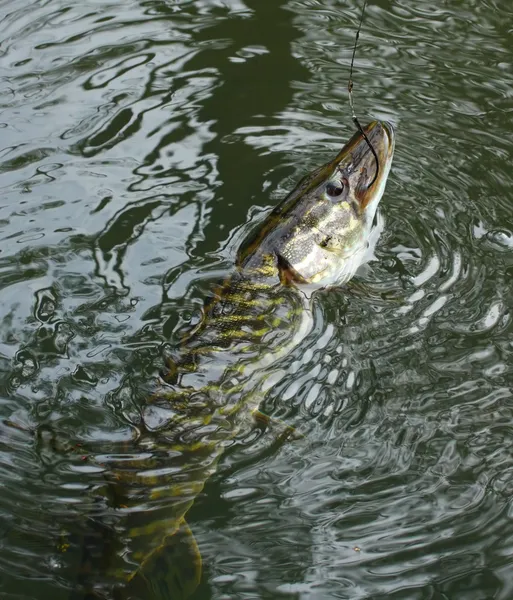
x=315 y=238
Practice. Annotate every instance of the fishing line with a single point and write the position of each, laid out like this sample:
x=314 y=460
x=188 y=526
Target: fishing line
x=350 y=90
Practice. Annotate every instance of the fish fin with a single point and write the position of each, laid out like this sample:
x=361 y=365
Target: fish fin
x=284 y=431
x=170 y=572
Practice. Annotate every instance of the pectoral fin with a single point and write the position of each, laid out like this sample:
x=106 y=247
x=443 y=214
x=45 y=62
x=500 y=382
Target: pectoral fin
x=282 y=430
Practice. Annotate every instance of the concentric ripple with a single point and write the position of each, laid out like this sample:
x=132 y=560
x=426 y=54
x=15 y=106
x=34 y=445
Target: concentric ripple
x=139 y=141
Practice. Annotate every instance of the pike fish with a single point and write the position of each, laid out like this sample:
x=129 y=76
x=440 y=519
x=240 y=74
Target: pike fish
x=316 y=237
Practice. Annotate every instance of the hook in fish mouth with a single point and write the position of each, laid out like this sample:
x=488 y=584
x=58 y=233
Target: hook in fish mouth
x=372 y=152
x=317 y=233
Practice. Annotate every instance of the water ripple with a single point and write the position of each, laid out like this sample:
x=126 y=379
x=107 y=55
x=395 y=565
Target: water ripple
x=139 y=143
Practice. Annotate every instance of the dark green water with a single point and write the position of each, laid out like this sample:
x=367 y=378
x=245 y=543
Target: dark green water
x=138 y=142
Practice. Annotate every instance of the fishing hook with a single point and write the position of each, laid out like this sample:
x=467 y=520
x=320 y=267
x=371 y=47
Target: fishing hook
x=351 y=104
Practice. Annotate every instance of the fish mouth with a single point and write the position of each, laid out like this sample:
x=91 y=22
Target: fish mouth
x=372 y=155
x=388 y=128
x=374 y=129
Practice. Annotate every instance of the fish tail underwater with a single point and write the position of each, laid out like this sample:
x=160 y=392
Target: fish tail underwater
x=316 y=238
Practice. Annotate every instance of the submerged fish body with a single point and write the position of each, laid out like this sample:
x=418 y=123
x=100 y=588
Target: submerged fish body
x=316 y=237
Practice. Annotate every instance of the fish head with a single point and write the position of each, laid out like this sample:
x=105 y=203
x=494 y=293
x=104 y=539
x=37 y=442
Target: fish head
x=319 y=233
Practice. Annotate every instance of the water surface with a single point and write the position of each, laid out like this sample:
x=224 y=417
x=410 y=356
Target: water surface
x=139 y=141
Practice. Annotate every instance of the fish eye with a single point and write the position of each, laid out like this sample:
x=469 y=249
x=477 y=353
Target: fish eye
x=334 y=189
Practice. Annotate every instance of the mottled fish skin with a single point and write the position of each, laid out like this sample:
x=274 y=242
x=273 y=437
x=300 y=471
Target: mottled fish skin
x=316 y=237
